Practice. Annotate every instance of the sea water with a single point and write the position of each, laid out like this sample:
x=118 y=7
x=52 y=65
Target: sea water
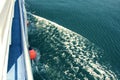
x=86 y=48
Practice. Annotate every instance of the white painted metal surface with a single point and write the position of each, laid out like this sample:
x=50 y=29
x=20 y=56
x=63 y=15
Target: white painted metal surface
x=26 y=55
x=6 y=15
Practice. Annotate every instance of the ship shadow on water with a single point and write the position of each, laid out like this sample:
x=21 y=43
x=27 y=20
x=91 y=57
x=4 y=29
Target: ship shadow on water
x=65 y=55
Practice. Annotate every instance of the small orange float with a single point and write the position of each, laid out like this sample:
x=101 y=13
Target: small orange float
x=32 y=53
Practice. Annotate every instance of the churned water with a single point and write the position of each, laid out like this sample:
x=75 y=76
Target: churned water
x=86 y=48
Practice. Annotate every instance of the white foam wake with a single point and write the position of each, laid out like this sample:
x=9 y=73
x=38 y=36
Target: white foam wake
x=78 y=53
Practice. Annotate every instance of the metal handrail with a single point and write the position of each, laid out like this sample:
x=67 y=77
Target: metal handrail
x=29 y=74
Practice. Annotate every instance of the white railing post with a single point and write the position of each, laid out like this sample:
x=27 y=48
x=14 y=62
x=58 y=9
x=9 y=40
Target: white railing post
x=25 y=47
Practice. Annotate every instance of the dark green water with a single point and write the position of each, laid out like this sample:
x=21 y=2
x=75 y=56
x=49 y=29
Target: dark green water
x=96 y=47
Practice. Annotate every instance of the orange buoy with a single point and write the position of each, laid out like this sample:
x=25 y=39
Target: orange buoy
x=32 y=53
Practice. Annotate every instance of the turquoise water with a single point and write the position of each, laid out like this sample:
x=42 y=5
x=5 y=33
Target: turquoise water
x=89 y=50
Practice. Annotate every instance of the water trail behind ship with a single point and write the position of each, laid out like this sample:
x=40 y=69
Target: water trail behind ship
x=65 y=54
